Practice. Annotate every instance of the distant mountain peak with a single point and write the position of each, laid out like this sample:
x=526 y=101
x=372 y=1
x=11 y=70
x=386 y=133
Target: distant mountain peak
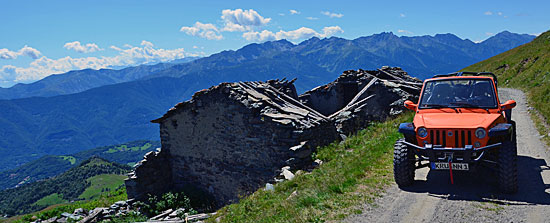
x=505 y=32
x=505 y=38
x=310 y=41
x=446 y=35
x=283 y=41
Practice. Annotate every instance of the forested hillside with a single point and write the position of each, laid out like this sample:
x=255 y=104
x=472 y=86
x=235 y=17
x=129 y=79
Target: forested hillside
x=65 y=187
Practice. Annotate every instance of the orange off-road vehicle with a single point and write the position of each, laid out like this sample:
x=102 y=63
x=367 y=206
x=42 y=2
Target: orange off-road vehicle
x=459 y=123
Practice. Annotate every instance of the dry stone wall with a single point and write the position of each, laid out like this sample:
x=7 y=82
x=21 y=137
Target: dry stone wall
x=231 y=139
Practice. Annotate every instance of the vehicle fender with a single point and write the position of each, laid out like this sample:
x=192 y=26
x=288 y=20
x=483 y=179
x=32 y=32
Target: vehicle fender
x=407 y=128
x=500 y=129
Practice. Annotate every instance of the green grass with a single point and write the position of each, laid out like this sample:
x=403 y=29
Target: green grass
x=71 y=159
x=489 y=206
x=51 y=199
x=354 y=172
x=103 y=201
x=526 y=67
x=123 y=148
x=100 y=184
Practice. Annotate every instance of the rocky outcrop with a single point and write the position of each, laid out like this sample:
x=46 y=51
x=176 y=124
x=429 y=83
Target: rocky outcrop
x=232 y=139
x=119 y=210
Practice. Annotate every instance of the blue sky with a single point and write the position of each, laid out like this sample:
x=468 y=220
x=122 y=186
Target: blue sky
x=40 y=38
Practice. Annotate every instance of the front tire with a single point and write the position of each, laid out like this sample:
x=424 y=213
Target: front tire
x=403 y=164
x=507 y=167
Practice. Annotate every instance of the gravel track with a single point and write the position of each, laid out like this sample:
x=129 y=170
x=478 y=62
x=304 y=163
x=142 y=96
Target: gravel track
x=475 y=196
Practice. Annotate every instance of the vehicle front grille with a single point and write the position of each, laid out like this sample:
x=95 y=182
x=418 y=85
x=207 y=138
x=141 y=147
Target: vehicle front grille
x=458 y=138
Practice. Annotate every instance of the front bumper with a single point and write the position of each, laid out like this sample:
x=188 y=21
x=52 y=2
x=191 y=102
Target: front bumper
x=436 y=153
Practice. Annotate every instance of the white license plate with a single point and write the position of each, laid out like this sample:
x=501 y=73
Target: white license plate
x=445 y=166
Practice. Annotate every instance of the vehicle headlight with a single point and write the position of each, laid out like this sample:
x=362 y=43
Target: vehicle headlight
x=422 y=132
x=480 y=133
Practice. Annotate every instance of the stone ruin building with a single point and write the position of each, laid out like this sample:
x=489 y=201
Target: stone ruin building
x=232 y=139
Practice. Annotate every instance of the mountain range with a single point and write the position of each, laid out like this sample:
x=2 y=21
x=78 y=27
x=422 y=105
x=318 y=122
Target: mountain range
x=81 y=80
x=79 y=110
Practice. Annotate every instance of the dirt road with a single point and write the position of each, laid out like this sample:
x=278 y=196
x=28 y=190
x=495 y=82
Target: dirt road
x=475 y=196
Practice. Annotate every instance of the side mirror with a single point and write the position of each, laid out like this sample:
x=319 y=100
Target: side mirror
x=410 y=105
x=508 y=105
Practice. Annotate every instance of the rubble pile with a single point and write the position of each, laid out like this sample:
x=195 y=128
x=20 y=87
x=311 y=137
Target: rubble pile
x=234 y=138
x=358 y=97
x=122 y=208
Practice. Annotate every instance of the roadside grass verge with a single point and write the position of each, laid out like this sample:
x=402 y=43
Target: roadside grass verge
x=542 y=125
x=353 y=172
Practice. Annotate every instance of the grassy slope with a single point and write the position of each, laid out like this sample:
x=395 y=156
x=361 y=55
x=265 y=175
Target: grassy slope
x=51 y=199
x=526 y=67
x=104 y=200
x=101 y=183
x=353 y=172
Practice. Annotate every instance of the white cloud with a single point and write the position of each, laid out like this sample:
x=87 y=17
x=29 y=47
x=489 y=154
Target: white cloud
x=490 y=13
x=402 y=15
x=76 y=46
x=25 y=51
x=127 y=56
x=331 y=30
x=208 y=31
x=242 y=20
x=332 y=14
x=249 y=22
x=8 y=72
x=264 y=35
x=489 y=34
x=7 y=54
x=404 y=31
x=301 y=33
x=146 y=43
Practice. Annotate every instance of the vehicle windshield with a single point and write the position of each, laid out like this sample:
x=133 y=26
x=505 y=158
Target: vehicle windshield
x=459 y=93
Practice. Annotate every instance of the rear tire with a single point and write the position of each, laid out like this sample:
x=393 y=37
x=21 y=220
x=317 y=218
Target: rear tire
x=507 y=166
x=403 y=164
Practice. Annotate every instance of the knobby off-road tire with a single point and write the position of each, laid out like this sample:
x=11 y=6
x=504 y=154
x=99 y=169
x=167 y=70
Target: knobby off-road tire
x=508 y=165
x=403 y=164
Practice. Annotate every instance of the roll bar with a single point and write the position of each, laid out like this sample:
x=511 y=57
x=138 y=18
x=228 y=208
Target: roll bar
x=464 y=73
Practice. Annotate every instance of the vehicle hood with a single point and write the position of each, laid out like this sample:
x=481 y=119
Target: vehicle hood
x=455 y=120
